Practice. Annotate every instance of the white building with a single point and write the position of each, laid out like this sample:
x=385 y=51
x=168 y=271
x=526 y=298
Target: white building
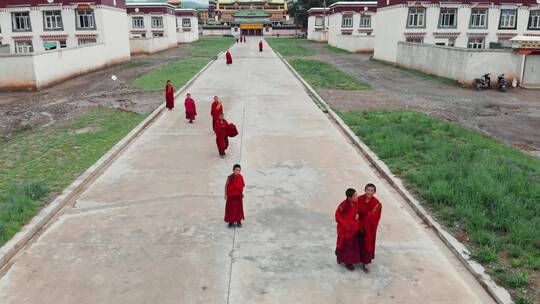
x=346 y=25
x=465 y=24
x=317 y=29
x=157 y=26
x=46 y=41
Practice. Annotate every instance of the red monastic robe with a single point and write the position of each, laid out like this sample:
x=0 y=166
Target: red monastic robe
x=260 y=46
x=216 y=109
x=191 y=110
x=370 y=214
x=234 y=209
x=169 y=96
x=228 y=57
x=222 y=141
x=347 y=245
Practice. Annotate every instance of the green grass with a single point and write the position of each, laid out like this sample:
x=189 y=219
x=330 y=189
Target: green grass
x=475 y=185
x=35 y=163
x=291 y=46
x=178 y=72
x=418 y=73
x=323 y=75
x=334 y=49
x=210 y=47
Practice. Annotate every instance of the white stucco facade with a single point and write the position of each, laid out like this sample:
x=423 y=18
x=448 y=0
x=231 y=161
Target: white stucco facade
x=187 y=29
x=49 y=43
x=454 y=24
x=317 y=29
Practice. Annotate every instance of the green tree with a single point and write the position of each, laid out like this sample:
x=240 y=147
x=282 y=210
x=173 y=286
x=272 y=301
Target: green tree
x=299 y=9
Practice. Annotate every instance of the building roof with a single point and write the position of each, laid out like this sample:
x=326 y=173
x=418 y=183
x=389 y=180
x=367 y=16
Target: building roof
x=248 y=13
x=250 y=1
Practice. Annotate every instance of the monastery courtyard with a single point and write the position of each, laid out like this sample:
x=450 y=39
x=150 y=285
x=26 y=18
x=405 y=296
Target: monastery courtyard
x=150 y=229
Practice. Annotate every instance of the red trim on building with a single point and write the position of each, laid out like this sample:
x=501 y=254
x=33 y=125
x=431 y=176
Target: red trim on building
x=138 y=31
x=477 y=35
x=86 y=36
x=365 y=30
x=532 y=34
x=54 y=37
x=353 y=9
x=22 y=38
x=506 y=35
x=26 y=3
x=443 y=35
x=160 y=9
x=317 y=11
x=383 y=3
x=186 y=13
x=414 y=35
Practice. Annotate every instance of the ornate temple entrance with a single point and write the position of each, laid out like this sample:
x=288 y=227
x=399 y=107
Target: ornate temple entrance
x=251 y=29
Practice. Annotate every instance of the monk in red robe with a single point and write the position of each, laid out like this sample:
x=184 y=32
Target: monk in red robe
x=191 y=110
x=216 y=110
x=228 y=57
x=369 y=212
x=260 y=46
x=222 y=140
x=169 y=95
x=234 y=187
x=347 y=245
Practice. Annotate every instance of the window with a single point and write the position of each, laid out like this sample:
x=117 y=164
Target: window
x=479 y=18
x=365 y=21
x=319 y=21
x=415 y=40
x=86 y=41
x=53 y=45
x=85 y=19
x=157 y=34
x=52 y=20
x=448 y=18
x=186 y=22
x=21 y=22
x=416 y=17
x=475 y=43
x=137 y=22
x=23 y=47
x=505 y=42
x=346 y=20
x=440 y=43
x=157 y=22
x=534 y=20
x=508 y=18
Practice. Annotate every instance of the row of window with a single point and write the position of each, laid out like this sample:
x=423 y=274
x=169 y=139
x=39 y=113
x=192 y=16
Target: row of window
x=52 y=20
x=347 y=20
x=472 y=43
x=26 y=47
x=157 y=22
x=478 y=19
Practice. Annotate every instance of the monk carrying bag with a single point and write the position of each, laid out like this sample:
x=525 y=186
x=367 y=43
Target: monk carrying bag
x=231 y=130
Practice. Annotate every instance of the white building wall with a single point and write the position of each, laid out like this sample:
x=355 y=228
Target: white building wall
x=355 y=42
x=394 y=19
x=216 y=31
x=148 y=45
x=317 y=33
x=185 y=34
x=463 y=65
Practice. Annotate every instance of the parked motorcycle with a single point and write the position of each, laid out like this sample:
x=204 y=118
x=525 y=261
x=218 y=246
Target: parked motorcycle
x=501 y=82
x=483 y=83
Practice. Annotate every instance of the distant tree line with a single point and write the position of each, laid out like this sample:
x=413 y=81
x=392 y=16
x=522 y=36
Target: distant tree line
x=299 y=9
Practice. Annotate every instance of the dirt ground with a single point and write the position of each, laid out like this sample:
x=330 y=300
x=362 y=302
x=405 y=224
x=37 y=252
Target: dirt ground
x=512 y=117
x=26 y=110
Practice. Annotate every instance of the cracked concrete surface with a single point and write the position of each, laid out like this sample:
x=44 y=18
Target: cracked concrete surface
x=151 y=230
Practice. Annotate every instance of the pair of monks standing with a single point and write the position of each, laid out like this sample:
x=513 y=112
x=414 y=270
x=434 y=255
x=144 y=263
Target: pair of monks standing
x=189 y=103
x=357 y=220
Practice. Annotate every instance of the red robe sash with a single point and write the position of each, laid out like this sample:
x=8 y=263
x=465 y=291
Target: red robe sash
x=191 y=110
x=370 y=214
x=169 y=96
x=347 y=225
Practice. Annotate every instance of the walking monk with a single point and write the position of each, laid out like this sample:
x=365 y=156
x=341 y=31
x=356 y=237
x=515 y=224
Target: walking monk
x=169 y=95
x=191 y=110
x=369 y=212
x=228 y=57
x=222 y=140
x=234 y=209
x=216 y=110
x=260 y=46
x=347 y=247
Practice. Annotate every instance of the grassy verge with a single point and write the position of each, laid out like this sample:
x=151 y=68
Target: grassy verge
x=323 y=75
x=178 y=72
x=291 y=46
x=209 y=47
x=418 y=73
x=334 y=49
x=486 y=193
x=46 y=161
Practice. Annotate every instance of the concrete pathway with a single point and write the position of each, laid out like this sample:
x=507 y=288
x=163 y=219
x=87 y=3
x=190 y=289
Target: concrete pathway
x=151 y=230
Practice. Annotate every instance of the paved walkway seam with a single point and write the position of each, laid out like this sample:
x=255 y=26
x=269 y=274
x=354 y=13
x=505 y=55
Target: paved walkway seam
x=70 y=194
x=499 y=294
